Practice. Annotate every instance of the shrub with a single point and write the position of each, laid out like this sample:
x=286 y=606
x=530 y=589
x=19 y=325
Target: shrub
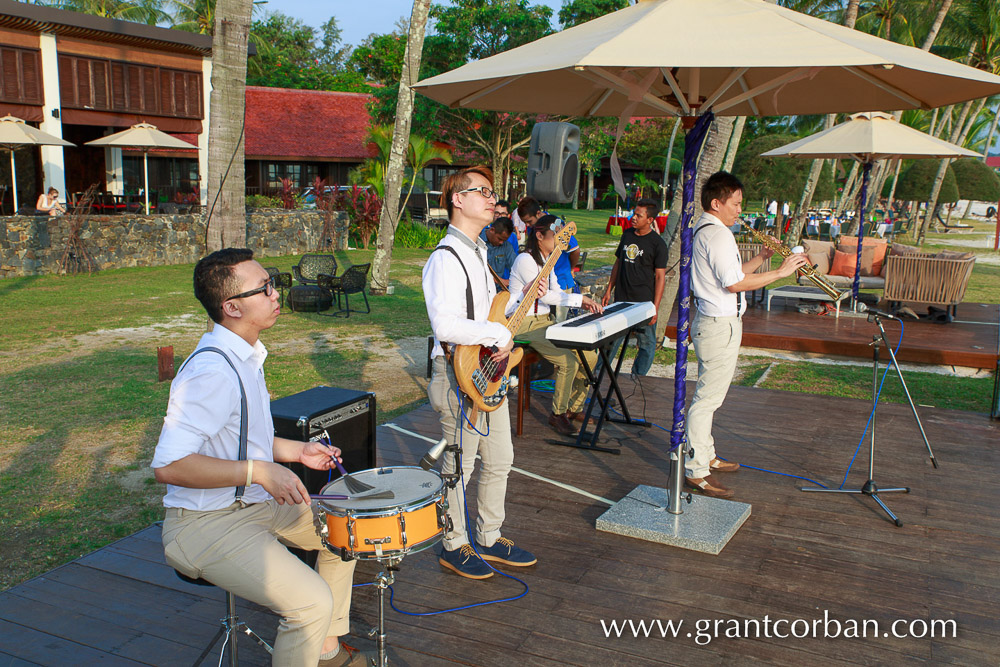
x=263 y=201
x=415 y=235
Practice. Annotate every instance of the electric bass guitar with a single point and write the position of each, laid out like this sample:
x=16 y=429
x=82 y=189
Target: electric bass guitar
x=482 y=379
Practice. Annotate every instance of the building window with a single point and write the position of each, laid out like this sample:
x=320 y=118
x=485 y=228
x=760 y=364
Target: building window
x=20 y=76
x=279 y=170
x=109 y=85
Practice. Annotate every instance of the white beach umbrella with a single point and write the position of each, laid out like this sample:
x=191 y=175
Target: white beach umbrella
x=144 y=137
x=14 y=134
x=868 y=137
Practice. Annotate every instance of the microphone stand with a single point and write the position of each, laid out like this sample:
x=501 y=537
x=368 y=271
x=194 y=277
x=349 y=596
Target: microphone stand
x=870 y=488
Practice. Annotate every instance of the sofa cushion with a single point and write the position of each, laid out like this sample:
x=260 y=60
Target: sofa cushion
x=955 y=254
x=900 y=249
x=819 y=247
x=844 y=264
x=873 y=253
x=821 y=260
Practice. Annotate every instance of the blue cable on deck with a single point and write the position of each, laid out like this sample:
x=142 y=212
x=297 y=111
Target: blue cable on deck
x=871 y=415
x=468 y=524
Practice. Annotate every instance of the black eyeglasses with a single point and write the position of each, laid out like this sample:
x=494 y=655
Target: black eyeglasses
x=483 y=190
x=267 y=288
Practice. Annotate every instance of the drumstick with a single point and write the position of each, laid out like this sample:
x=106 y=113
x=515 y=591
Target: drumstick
x=374 y=495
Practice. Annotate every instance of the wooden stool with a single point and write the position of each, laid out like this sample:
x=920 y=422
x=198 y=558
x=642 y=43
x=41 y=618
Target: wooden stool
x=524 y=384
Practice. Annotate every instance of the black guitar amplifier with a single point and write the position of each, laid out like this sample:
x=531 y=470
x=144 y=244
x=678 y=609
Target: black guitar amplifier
x=347 y=416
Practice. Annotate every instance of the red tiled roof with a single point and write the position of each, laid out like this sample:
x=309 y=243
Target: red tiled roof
x=309 y=124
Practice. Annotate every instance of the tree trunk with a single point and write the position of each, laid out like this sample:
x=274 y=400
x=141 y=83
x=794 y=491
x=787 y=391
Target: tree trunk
x=712 y=154
x=389 y=219
x=666 y=167
x=226 y=191
x=895 y=180
x=590 y=191
x=993 y=129
x=846 y=197
x=957 y=137
x=795 y=233
x=734 y=144
x=851 y=14
x=576 y=191
x=936 y=27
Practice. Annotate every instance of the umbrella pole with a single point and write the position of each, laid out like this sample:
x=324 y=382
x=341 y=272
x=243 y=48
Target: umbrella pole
x=678 y=436
x=13 y=183
x=145 y=179
x=856 y=286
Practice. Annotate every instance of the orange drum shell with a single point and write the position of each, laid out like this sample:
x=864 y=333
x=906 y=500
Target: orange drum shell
x=421 y=525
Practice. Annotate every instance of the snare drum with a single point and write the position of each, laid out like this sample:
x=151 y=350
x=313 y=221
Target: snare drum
x=411 y=521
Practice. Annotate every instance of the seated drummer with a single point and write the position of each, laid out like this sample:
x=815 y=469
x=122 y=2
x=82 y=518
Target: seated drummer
x=571 y=381
x=238 y=543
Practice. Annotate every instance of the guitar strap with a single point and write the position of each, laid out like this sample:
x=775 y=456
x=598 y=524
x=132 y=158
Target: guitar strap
x=470 y=312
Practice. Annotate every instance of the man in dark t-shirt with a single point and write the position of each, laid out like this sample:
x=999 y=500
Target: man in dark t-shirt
x=639 y=274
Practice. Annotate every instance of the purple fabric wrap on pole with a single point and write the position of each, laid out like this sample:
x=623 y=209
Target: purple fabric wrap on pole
x=856 y=286
x=692 y=147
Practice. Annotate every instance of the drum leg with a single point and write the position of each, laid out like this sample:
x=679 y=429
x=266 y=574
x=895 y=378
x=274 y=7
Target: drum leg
x=383 y=581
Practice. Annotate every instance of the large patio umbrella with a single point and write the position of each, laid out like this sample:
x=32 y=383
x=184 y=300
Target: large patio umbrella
x=696 y=58
x=14 y=134
x=144 y=137
x=868 y=137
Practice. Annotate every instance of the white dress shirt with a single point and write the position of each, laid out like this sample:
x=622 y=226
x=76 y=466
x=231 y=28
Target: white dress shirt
x=444 y=285
x=203 y=417
x=525 y=270
x=715 y=265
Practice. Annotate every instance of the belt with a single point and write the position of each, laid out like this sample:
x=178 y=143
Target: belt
x=178 y=512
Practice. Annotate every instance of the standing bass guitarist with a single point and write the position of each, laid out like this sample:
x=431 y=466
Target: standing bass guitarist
x=458 y=292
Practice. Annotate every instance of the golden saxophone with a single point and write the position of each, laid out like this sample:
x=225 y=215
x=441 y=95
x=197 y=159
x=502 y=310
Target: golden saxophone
x=808 y=271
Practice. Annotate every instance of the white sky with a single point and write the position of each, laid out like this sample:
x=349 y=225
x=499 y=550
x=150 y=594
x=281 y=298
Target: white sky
x=360 y=18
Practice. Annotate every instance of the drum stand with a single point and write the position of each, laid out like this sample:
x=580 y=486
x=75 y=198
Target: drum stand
x=383 y=580
x=870 y=488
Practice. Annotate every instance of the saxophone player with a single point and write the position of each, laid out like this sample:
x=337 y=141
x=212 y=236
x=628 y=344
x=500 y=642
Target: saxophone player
x=718 y=279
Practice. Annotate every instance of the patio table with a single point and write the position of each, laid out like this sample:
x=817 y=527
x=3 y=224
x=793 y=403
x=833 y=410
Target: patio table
x=803 y=292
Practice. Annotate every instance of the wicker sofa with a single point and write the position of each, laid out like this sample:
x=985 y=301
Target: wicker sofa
x=935 y=279
x=905 y=274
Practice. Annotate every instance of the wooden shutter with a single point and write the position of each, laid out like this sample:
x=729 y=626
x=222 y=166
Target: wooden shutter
x=118 y=88
x=84 y=91
x=149 y=90
x=133 y=87
x=31 y=75
x=67 y=81
x=9 y=75
x=167 y=106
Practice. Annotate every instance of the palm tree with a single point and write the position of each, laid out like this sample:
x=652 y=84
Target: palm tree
x=389 y=218
x=149 y=12
x=226 y=186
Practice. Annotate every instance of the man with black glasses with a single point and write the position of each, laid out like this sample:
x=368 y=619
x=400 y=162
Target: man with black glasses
x=231 y=508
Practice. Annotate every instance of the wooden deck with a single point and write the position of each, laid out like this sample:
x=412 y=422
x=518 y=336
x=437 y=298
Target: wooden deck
x=973 y=340
x=798 y=556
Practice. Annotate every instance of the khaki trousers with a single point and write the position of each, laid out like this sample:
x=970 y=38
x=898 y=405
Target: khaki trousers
x=495 y=448
x=571 y=381
x=717 y=344
x=242 y=550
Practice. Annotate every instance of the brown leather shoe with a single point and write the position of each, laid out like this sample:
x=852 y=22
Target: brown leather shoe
x=718 y=465
x=709 y=486
x=561 y=425
x=579 y=417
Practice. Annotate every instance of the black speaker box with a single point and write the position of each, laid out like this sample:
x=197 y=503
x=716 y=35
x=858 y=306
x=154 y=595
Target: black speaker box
x=347 y=416
x=553 y=163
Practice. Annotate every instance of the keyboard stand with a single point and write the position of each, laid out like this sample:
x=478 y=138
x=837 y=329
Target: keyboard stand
x=604 y=402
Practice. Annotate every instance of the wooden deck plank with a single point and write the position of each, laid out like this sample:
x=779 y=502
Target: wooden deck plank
x=970 y=341
x=797 y=556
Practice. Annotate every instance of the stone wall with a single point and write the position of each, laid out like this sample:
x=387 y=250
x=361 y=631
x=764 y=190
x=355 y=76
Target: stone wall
x=36 y=245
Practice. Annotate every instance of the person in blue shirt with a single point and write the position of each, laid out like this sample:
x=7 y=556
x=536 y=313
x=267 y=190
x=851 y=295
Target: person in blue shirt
x=500 y=255
x=502 y=210
x=564 y=265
